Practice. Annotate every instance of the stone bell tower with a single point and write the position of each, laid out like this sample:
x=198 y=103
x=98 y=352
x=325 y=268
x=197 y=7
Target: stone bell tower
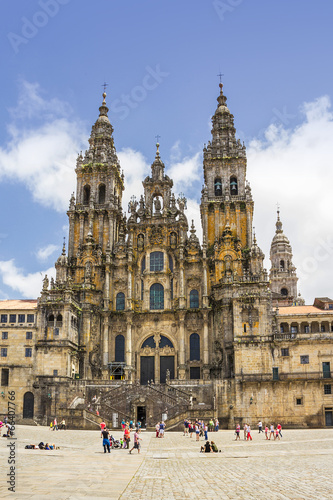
x=95 y=216
x=282 y=275
x=226 y=205
x=239 y=289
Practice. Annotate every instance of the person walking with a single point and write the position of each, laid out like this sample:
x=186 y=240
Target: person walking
x=249 y=433
x=245 y=432
x=197 y=431
x=102 y=426
x=279 y=428
x=157 y=428
x=260 y=427
x=106 y=441
x=137 y=440
x=127 y=437
x=205 y=429
x=237 y=432
x=217 y=425
x=266 y=432
x=162 y=429
x=271 y=433
x=55 y=425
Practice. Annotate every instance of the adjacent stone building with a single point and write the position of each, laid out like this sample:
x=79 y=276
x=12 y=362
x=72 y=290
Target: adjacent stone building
x=143 y=321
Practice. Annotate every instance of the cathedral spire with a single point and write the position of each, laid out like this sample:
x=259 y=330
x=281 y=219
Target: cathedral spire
x=103 y=110
x=278 y=222
x=157 y=168
x=283 y=276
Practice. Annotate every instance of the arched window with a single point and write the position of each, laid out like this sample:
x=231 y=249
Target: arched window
x=171 y=289
x=165 y=342
x=156 y=261
x=282 y=265
x=142 y=289
x=120 y=349
x=233 y=186
x=194 y=347
x=284 y=292
x=101 y=194
x=218 y=187
x=86 y=194
x=149 y=342
x=120 y=301
x=59 y=320
x=143 y=264
x=51 y=318
x=194 y=299
x=156 y=296
x=171 y=263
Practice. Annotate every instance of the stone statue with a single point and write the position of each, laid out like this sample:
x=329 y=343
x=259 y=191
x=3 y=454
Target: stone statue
x=140 y=242
x=157 y=204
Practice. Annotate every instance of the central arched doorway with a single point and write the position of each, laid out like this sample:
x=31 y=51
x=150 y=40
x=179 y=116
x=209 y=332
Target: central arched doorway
x=157 y=360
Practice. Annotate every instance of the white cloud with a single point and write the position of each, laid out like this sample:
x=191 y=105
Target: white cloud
x=29 y=285
x=41 y=153
x=186 y=172
x=294 y=167
x=45 y=252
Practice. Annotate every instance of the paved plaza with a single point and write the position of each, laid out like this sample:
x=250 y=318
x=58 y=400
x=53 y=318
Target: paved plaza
x=298 y=467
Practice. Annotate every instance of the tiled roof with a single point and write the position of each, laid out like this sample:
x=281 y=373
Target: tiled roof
x=6 y=305
x=300 y=310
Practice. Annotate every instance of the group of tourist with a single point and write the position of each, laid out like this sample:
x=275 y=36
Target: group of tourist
x=123 y=443
x=54 y=425
x=160 y=428
x=42 y=446
x=209 y=447
x=200 y=428
x=7 y=427
x=270 y=432
x=129 y=424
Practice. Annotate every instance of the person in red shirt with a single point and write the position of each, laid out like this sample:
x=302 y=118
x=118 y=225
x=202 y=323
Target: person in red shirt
x=102 y=426
x=127 y=437
x=279 y=428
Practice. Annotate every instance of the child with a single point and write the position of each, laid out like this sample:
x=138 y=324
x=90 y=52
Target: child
x=266 y=432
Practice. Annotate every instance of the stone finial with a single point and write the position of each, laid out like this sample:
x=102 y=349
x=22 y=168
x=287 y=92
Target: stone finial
x=45 y=283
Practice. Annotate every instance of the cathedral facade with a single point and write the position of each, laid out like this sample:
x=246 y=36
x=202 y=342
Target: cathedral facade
x=141 y=308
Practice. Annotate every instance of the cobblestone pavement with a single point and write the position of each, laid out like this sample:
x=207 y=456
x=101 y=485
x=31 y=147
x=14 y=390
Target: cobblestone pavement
x=298 y=467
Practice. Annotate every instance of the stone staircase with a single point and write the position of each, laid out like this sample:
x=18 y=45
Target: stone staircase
x=124 y=399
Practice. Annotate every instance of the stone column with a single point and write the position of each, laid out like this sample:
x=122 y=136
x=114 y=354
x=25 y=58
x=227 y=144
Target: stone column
x=249 y=225
x=181 y=355
x=129 y=367
x=81 y=228
x=71 y=236
x=106 y=343
x=100 y=229
x=205 y=346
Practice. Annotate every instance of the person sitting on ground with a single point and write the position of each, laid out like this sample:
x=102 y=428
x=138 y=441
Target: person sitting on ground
x=214 y=447
x=206 y=448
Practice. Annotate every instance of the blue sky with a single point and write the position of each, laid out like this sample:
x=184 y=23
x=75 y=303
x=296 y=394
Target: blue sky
x=161 y=60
